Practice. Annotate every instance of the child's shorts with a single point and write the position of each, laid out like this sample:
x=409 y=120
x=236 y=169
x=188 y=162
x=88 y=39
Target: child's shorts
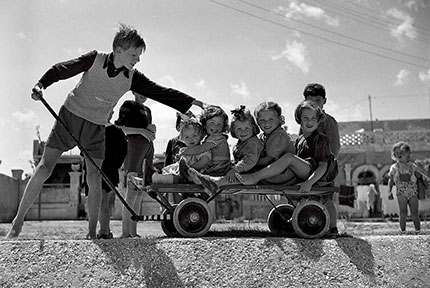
x=90 y=135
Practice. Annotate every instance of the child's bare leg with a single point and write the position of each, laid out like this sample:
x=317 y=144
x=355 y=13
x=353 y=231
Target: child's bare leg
x=413 y=205
x=331 y=208
x=94 y=181
x=299 y=166
x=105 y=212
x=130 y=198
x=282 y=178
x=32 y=190
x=403 y=210
x=136 y=207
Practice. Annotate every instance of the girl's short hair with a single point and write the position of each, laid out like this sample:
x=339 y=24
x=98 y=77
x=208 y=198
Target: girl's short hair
x=127 y=37
x=213 y=111
x=402 y=146
x=308 y=105
x=270 y=106
x=242 y=114
x=191 y=125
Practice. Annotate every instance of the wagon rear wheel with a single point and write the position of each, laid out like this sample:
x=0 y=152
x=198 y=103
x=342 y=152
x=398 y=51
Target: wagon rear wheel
x=192 y=217
x=280 y=219
x=311 y=219
x=167 y=225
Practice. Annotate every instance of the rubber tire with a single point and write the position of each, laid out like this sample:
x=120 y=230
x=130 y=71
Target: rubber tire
x=168 y=226
x=192 y=217
x=311 y=219
x=277 y=224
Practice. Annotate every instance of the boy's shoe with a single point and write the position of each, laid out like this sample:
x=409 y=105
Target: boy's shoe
x=90 y=237
x=402 y=232
x=332 y=233
x=13 y=232
x=417 y=232
x=105 y=236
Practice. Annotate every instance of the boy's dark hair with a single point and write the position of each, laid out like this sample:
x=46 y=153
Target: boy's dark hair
x=242 y=114
x=308 y=105
x=132 y=114
x=127 y=37
x=212 y=111
x=314 y=89
x=268 y=105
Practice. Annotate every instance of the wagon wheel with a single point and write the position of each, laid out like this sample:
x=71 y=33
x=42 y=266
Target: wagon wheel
x=192 y=217
x=279 y=219
x=310 y=219
x=167 y=224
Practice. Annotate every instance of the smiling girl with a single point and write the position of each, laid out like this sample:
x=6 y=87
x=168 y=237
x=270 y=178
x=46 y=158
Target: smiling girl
x=246 y=152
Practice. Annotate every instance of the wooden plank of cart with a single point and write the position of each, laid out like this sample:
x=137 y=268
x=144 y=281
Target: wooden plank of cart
x=305 y=214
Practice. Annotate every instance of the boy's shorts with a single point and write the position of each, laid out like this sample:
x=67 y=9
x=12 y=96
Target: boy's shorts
x=90 y=135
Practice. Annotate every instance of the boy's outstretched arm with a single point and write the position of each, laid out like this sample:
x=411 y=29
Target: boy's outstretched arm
x=199 y=104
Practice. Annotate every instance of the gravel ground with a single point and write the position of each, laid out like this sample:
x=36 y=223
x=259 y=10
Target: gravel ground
x=233 y=255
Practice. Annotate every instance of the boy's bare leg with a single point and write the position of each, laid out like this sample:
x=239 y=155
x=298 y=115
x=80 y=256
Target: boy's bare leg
x=136 y=207
x=94 y=181
x=130 y=198
x=32 y=190
x=105 y=212
x=299 y=166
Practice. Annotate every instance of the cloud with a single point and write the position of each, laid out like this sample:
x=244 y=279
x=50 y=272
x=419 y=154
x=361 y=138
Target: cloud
x=402 y=77
x=425 y=76
x=296 y=10
x=28 y=119
x=295 y=53
x=240 y=89
x=405 y=28
x=201 y=84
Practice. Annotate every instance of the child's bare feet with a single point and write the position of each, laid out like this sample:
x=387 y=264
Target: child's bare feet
x=246 y=179
x=204 y=180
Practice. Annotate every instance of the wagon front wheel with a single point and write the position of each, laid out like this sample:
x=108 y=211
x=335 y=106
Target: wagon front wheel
x=280 y=219
x=311 y=219
x=192 y=217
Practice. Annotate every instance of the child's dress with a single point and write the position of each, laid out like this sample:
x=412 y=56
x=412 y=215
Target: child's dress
x=404 y=179
x=220 y=161
x=277 y=143
x=246 y=154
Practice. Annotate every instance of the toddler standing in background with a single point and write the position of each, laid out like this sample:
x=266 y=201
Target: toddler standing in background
x=404 y=175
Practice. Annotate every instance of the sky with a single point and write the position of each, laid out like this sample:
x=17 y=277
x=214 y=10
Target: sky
x=373 y=57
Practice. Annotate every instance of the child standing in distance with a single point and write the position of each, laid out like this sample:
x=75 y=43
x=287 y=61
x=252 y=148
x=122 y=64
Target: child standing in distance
x=404 y=175
x=246 y=152
x=215 y=123
x=191 y=133
x=135 y=119
x=312 y=158
x=106 y=78
x=275 y=139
